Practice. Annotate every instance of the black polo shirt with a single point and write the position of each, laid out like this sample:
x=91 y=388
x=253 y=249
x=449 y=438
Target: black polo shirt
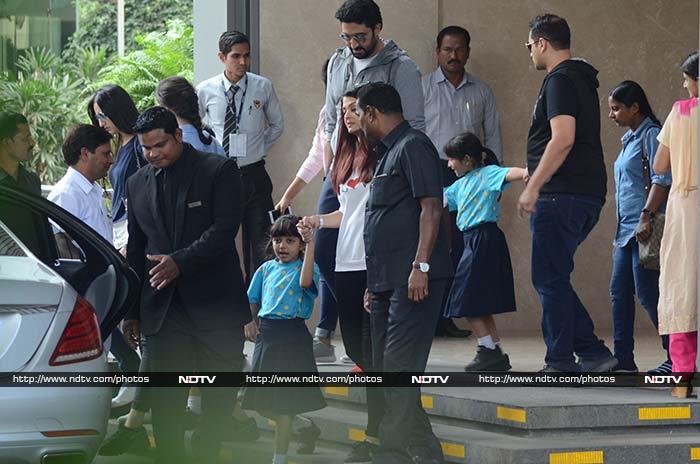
x=26 y=181
x=408 y=170
x=32 y=228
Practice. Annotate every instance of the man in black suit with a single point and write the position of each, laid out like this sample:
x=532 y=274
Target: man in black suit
x=183 y=214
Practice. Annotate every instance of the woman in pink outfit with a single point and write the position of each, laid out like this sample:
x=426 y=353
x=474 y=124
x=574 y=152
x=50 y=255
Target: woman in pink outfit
x=678 y=151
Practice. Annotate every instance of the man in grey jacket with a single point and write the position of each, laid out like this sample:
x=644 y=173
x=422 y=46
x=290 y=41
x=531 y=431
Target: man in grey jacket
x=369 y=58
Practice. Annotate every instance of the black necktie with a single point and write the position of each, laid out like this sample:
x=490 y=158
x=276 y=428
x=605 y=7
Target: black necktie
x=230 y=122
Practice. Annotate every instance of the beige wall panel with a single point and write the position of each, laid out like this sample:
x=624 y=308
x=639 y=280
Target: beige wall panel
x=624 y=39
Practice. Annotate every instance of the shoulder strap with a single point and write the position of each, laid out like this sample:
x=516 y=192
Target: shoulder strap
x=646 y=169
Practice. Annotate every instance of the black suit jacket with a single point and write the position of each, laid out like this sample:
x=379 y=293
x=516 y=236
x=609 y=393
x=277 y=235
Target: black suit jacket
x=207 y=216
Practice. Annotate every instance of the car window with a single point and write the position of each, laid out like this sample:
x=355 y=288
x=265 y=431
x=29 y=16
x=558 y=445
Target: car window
x=8 y=245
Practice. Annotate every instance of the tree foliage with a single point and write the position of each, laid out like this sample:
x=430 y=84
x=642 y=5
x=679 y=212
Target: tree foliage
x=160 y=55
x=53 y=91
x=98 y=21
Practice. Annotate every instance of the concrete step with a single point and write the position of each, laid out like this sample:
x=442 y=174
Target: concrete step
x=465 y=445
x=550 y=411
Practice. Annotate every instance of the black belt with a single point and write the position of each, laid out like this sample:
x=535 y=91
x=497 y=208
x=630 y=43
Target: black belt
x=250 y=167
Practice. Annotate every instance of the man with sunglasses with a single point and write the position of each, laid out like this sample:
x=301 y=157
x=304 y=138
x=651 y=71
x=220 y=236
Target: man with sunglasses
x=565 y=193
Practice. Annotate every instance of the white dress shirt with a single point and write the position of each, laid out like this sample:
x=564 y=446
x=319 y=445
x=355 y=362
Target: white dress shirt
x=83 y=199
x=449 y=111
x=261 y=119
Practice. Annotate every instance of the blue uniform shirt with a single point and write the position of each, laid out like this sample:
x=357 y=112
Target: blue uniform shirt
x=275 y=288
x=475 y=196
x=191 y=135
x=629 y=178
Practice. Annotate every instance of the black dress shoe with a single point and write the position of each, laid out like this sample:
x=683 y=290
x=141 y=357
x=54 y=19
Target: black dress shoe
x=447 y=328
x=306 y=437
x=125 y=440
x=244 y=430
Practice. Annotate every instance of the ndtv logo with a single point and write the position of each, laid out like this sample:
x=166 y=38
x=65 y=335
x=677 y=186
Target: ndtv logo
x=429 y=379
x=196 y=379
x=663 y=379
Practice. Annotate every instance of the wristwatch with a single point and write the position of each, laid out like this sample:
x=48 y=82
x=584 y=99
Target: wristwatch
x=423 y=267
x=649 y=212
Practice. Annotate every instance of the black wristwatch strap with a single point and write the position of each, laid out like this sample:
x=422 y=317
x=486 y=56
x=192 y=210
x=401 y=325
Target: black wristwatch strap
x=649 y=212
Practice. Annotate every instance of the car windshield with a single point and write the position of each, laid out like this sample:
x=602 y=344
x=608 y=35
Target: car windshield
x=8 y=245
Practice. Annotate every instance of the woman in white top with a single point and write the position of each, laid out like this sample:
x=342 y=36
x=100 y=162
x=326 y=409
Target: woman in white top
x=351 y=174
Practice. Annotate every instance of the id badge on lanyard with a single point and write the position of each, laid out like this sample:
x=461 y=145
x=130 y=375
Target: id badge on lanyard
x=237 y=145
x=237 y=142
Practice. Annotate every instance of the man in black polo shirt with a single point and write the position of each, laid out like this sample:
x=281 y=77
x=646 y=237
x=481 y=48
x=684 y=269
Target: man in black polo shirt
x=565 y=193
x=16 y=147
x=407 y=267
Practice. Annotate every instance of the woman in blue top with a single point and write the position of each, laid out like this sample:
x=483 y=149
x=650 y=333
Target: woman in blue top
x=178 y=95
x=483 y=282
x=630 y=108
x=281 y=296
x=113 y=109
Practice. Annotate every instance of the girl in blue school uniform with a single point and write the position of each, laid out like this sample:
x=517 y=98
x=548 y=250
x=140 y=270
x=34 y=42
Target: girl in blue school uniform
x=281 y=296
x=483 y=282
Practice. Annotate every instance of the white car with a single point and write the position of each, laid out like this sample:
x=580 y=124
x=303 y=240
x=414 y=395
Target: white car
x=54 y=316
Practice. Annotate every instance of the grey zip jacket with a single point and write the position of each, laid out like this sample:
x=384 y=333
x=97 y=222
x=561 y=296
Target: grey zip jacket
x=391 y=65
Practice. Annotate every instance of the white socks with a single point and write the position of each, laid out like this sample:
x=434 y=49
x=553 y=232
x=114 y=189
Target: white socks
x=279 y=459
x=195 y=404
x=487 y=342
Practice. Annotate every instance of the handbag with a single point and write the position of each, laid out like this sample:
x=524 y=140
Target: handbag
x=649 y=256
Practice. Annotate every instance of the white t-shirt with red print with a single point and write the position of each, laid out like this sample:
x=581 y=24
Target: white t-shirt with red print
x=350 y=253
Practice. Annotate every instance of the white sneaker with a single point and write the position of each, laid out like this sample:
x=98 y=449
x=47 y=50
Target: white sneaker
x=125 y=396
x=323 y=352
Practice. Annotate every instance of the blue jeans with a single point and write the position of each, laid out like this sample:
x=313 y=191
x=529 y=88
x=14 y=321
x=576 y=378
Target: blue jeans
x=630 y=278
x=326 y=241
x=561 y=222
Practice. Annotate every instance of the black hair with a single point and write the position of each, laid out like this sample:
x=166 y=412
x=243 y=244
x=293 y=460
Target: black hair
x=178 y=95
x=284 y=226
x=628 y=93
x=154 y=118
x=690 y=65
x=364 y=12
x=9 y=123
x=552 y=28
x=83 y=136
x=230 y=38
x=453 y=30
x=381 y=96
x=117 y=105
x=468 y=145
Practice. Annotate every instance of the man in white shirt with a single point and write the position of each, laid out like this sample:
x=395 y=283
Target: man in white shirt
x=246 y=116
x=87 y=151
x=88 y=154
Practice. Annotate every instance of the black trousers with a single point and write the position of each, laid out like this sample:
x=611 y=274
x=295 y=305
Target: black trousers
x=257 y=201
x=402 y=333
x=357 y=338
x=177 y=348
x=456 y=241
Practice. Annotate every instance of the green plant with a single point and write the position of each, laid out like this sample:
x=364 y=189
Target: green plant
x=46 y=93
x=98 y=21
x=161 y=54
